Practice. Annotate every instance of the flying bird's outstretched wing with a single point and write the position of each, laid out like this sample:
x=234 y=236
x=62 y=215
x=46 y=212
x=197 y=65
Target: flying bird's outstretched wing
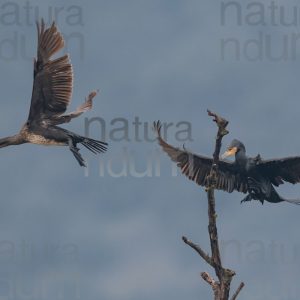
x=282 y=169
x=53 y=79
x=86 y=106
x=197 y=167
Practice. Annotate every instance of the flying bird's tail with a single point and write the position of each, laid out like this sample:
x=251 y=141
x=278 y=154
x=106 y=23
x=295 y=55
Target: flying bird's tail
x=91 y=144
x=94 y=145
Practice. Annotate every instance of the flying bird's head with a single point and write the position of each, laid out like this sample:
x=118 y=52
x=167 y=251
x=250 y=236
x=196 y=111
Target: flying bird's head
x=234 y=147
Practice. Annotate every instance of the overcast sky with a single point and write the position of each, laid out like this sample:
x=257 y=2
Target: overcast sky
x=114 y=231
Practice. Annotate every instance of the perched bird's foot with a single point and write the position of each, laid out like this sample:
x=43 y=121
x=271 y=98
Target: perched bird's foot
x=244 y=200
x=213 y=182
x=254 y=188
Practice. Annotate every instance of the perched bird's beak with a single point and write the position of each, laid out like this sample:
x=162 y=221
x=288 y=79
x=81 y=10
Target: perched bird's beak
x=229 y=152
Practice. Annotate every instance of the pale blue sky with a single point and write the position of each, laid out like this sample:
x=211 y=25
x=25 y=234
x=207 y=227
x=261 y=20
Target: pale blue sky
x=99 y=237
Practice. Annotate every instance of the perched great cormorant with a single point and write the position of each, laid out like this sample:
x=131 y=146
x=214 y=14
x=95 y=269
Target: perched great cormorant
x=51 y=95
x=254 y=176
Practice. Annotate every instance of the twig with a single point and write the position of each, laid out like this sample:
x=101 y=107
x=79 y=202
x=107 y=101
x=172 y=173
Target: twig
x=238 y=291
x=214 y=285
x=198 y=249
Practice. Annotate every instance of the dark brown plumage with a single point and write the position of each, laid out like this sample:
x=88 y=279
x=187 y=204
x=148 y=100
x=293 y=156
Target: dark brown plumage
x=51 y=95
x=254 y=176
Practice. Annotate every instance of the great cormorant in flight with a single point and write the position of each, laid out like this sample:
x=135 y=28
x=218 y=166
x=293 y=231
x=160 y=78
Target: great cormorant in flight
x=51 y=95
x=250 y=175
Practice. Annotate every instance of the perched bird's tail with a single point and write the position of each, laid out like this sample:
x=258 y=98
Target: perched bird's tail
x=293 y=201
x=275 y=198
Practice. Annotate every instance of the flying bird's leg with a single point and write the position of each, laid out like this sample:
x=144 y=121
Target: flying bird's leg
x=76 y=153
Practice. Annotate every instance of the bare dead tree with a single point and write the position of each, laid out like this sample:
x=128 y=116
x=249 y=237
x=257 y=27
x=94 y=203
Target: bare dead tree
x=221 y=288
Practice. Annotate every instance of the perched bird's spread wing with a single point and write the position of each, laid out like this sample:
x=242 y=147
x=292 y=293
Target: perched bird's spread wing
x=280 y=170
x=197 y=167
x=53 y=79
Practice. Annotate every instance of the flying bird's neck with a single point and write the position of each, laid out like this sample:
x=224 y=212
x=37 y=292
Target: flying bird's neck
x=11 y=140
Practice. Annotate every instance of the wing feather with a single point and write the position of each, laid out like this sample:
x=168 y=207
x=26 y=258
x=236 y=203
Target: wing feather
x=197 y=167
x=282 y=169
x=53 y=79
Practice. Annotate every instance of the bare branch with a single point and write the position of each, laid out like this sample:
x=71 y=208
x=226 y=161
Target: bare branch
x=212 y=226
x=209 y=279
x=214 y=284
x=221 y=122
x=220 y=288
x=198 y=249
x=238 y=291
x=222 y=131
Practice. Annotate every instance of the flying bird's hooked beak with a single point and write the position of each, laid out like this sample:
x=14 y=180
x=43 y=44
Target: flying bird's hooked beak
x=230 y=152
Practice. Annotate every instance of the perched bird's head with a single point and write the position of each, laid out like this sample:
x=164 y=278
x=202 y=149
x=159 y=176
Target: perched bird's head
x=234 y=147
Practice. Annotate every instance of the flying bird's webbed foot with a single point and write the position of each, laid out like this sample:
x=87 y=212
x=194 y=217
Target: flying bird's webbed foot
x=247 y=199
x=76 y=154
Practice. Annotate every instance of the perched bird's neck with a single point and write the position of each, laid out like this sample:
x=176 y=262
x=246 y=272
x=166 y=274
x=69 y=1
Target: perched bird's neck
x=241 y=158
